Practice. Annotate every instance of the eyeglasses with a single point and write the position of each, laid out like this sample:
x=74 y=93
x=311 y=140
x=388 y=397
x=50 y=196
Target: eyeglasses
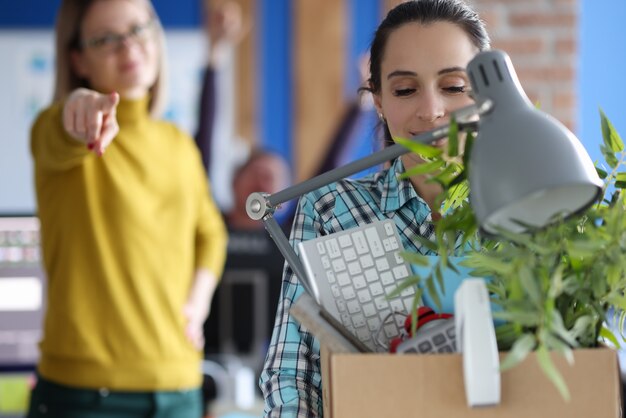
x=112 y=42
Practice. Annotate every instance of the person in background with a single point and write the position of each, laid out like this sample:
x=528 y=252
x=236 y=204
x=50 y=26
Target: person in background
x=132 y=243
x=219 y=146
x=417 y=78
x=263 y=171
x=251 y=252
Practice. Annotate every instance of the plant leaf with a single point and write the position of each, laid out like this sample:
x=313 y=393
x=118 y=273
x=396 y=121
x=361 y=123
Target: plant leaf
x=453 y=138
x=607 y=334
x=610 y=136
x=550 y=370
x=423 y=150
x=522 y=346
x=415 y=258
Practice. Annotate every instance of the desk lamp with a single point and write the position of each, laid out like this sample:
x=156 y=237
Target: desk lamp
x=526 y=168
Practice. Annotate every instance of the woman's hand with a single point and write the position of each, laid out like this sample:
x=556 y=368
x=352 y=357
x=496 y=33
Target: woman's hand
x=89 y=117
x=198 y=306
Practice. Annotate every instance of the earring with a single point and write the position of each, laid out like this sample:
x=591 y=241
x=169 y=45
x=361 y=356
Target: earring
x=381 y=117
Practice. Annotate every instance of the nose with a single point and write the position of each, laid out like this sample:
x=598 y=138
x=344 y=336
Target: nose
x=430 y=107
x=126 y=42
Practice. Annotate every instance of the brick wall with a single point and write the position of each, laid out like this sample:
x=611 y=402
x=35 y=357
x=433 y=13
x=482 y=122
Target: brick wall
x=541 y=36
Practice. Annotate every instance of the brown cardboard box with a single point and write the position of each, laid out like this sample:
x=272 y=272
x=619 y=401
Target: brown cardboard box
x=429 y=386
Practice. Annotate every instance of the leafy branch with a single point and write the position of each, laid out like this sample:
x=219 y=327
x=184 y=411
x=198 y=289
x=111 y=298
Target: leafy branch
x=552 y=289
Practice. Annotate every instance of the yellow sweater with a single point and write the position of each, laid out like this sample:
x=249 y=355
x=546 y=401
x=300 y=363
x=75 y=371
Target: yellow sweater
x=122 y=236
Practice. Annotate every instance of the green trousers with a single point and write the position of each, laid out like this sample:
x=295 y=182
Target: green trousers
x=51 y=400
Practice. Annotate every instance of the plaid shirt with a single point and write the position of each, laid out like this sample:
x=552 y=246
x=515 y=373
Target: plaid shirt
x=291 y=379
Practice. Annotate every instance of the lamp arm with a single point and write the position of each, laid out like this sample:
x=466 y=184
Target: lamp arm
x=281 y=241
x=261 y=206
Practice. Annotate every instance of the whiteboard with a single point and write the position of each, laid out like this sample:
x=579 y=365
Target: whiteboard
x=26 y=87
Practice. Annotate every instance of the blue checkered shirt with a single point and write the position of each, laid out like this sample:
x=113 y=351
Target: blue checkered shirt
x=291 y=378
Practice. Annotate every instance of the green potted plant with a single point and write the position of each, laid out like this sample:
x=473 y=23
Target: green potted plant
x=555 y=288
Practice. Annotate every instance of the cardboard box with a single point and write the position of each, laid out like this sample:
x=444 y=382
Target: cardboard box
x=429 y=386
x=363 y=385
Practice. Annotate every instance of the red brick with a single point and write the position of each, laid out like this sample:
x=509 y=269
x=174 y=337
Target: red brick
x=572 y=3
x=492 y=19
x=550 y=20
x=547 y=74
x=564 y=100
x=566 y=46
x=517 y=46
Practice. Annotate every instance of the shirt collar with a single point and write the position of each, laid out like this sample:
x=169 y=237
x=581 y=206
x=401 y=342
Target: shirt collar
x=395 y=192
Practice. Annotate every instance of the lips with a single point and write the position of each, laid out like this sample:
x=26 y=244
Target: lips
x=129 y=66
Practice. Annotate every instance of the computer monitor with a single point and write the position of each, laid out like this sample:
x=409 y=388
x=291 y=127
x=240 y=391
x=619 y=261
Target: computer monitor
x=244 y=305
x=22 y=292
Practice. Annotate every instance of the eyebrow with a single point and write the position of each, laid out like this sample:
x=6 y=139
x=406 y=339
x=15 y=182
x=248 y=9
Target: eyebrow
x=404 y=73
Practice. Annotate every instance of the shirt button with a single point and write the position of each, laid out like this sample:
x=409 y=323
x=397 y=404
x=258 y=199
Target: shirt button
x=43 y=408
x=104 y=392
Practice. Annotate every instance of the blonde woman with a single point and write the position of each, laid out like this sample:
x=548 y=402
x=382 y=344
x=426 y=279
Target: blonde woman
x=132 y=242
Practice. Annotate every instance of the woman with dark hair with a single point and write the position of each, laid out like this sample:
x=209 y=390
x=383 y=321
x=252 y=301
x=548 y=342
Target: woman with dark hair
x=417 y=78
x=132 y=243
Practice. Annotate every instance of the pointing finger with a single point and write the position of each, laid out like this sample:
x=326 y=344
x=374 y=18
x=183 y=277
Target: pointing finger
x=107 y=103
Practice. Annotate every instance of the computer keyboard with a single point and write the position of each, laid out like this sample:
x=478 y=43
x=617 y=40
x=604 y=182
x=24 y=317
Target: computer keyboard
x=437 y=336
x=351 y=273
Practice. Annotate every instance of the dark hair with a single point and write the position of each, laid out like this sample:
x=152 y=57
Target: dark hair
x=424 y=12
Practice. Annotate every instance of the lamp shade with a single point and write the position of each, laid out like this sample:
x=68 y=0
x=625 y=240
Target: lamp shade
x=526 y=168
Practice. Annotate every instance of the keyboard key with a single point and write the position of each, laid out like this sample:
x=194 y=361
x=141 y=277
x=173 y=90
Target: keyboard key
x=348 y=293
x=382 y=264
x=343 y=279
x=349 y=254
x=367 y=261
x=369 y=310
x=364 y=296
x=345 y=241
x=381 y=303
x=391 y=330
x=335 y=291
x=354 y=268
x=353 y=306
x=400 y=272
x=373 y=324
x=363 y=334
x=359 y=282
x=330 y=276
x=445 y=349
x=358 y=321
x=371 y=275
x=325 y=262
x=408 y=303
x=339 y=265
x=387 y=278
x=400 y=320
x=320 y=248
x=377 y=289
x=374 y=242
x=333 y=248
x=425 y=347
x=389 y=229
x=407 y=291
x=341 y=305
x=396 y=305
x=439 y=339
x=360 y=243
